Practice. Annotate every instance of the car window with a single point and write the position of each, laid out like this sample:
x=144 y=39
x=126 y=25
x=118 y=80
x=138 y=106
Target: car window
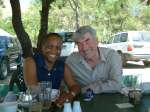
x=116 y=39
x=145 y=36
x=10 y=42
x=2 y=42
x=141 y=36
x=123 y=37
x=68 y=43
x=67 y=36
x=136 y=37
x=14 y=40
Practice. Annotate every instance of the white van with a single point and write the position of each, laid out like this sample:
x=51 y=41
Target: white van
x=132 y=45
x=68 y=43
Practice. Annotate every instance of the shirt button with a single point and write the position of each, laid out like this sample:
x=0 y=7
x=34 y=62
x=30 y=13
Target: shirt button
x=49 y=74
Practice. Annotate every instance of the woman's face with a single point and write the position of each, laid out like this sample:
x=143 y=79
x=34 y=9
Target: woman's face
x=52 y=48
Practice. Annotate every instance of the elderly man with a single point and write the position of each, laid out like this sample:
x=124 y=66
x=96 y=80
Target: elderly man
x=95 y=67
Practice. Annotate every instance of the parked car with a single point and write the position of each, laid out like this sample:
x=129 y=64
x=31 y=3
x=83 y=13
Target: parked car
x=68 y=43
x=10 y=51
x=132 y=45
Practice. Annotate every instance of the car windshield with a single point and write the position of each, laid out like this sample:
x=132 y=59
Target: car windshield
x=2 y=41
x=141 y=36
x=67 y=36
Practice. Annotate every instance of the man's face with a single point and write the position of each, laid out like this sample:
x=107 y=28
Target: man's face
x=52 y=48
x=87 y=46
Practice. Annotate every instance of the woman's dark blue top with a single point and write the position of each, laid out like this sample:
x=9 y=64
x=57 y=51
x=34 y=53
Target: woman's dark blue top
x=55 y=74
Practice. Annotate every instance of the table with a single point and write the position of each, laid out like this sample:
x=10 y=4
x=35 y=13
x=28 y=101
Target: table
x=106 y=103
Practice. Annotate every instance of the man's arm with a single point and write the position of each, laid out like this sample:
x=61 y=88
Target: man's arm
x=114 y=82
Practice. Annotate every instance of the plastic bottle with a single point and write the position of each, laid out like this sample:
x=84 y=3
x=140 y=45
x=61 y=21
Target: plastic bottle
x=77 y=106
x=67 y=107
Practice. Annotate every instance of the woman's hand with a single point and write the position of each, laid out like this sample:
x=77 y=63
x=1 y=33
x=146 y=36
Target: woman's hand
x=64 y=97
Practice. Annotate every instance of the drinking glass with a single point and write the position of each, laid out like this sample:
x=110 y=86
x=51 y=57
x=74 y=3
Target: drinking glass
x=45 y=93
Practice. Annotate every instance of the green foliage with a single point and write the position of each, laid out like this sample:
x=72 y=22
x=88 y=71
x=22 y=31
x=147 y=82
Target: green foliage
x=1 y=6
x=121 y=15
x=31 y=21
x=6 y=24
x=1 y=3
x=107 y=16
x=134 y=7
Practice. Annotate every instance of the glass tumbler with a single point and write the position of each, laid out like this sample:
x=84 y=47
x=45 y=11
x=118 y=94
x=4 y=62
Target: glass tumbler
x=45 y=93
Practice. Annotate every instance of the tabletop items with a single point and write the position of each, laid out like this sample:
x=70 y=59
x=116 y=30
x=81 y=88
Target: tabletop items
x=135 y=96
x=76 y=107
x=35 y=94
x=26 y=100
x=45 y=88
x=11 y=96
x=67 y=107
x=106 y=102
x=54 y=94
x=8 y=107
x=30 y=97
x=88 y=95
x=41 y=95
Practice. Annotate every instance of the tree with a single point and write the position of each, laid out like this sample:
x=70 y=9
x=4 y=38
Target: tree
x=75 y=7
x=19 y=28
x=106 y=16
x=31 y=21
x=1 y=6
x=1 y=3
x=6 y=24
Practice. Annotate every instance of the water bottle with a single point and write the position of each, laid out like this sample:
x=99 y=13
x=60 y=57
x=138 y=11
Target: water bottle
x=67 y=107
x=76 y=106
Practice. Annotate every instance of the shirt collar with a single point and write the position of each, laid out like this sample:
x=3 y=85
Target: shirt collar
x=101 y=53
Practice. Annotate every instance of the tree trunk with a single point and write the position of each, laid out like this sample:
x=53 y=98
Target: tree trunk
x=44 y=21
x=75 y=7
x=19 y=29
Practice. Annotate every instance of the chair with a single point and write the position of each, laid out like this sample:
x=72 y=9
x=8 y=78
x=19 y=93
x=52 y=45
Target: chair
x=17 y=78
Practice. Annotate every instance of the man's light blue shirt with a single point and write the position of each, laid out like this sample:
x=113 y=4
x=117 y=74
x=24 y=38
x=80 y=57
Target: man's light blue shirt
x=105 y=77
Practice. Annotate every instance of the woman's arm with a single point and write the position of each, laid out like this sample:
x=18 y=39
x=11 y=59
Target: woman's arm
x=29 y=72
x=70 y=81
x=74 y=88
